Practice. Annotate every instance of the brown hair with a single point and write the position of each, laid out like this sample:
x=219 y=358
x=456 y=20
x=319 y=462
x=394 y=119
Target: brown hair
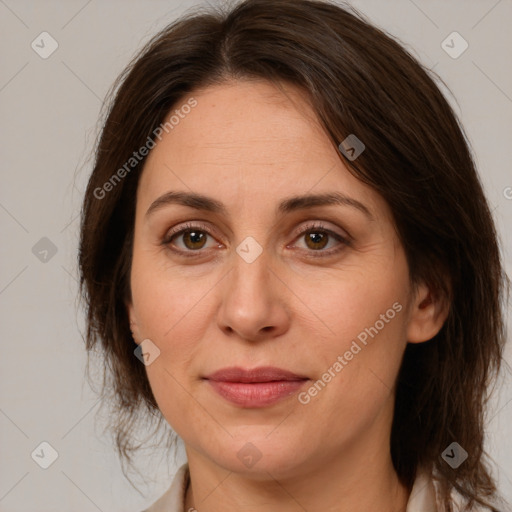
x=360 y=81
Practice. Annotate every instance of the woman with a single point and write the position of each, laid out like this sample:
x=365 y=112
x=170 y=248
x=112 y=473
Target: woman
x=286 y=253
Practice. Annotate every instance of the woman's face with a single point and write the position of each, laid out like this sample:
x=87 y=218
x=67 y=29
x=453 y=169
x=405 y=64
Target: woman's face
x=265 y=277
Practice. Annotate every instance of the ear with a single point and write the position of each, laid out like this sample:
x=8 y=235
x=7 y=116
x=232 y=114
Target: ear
x=427 y=315
x=134 y=327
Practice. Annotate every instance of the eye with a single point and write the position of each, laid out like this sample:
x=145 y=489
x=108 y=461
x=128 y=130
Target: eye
x=193 y=238
x=317 y=237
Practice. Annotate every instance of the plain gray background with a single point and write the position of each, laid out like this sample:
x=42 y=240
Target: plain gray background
x=49 y=112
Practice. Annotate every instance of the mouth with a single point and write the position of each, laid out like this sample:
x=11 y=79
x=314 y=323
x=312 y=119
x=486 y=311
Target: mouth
x=258 y=387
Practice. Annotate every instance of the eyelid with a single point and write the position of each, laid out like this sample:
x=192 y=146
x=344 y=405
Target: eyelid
x=192 y=224
x=321 y=226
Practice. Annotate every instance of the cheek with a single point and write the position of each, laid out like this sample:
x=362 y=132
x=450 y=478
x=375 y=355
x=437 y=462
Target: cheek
x=345 y=303
x=166 y=298
x=173 y=311
x=362 y=335
x=354 y=381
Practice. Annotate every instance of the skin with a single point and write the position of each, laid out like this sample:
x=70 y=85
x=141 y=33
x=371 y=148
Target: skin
x=250 y=146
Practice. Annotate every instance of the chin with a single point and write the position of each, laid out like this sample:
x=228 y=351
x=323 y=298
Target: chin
x=258 y=456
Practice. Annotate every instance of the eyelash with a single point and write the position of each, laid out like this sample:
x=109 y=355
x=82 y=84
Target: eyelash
x=312 y=227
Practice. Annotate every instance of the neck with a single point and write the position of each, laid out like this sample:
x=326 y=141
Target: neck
x=342 y=484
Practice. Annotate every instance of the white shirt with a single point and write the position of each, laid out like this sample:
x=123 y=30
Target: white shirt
x=424 y=497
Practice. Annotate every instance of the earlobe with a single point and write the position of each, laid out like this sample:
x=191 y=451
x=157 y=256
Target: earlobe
x=428 y=314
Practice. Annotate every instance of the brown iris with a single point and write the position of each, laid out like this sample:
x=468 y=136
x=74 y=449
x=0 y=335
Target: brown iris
x=196 y=239
x=319 y=240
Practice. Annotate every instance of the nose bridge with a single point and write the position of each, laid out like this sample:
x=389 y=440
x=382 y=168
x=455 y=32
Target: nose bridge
x=251 y=257
x=251 y=301
x=250 y=275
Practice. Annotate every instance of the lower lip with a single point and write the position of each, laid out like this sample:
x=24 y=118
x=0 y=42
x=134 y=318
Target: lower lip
x=256 y=394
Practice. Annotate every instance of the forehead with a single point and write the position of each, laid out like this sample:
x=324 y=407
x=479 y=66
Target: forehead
x=247 y=122
x=245 y=140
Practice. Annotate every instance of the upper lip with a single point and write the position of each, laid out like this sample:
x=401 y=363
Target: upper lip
x=261 y=374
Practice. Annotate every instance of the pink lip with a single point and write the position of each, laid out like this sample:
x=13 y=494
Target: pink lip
x=258 y=387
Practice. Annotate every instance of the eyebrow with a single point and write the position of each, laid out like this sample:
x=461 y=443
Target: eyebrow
x=205 y=203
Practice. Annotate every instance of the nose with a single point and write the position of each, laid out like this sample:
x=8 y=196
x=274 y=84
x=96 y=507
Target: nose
x=254 y=301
